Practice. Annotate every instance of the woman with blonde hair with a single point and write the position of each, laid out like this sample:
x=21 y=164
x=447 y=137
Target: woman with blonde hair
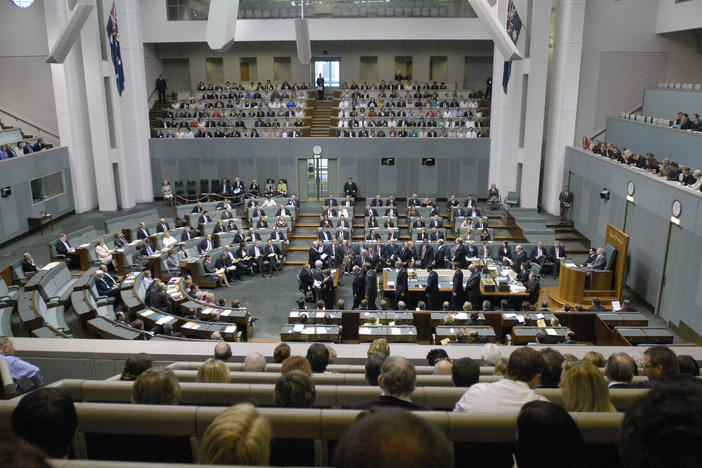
x=167 y=192
x=238 y=436
x=379 y=346
x=213 y=371
x=104 y=254
x=584 y=388
x=156 y=386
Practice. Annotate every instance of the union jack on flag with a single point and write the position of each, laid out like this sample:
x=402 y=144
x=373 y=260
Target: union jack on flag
x=514 y=27
x=113 y=37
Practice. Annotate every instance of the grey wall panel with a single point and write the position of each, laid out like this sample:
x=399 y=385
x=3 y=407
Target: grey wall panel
x=360 y=159
x=648 y=231
x=677 y=145
x=666 y=103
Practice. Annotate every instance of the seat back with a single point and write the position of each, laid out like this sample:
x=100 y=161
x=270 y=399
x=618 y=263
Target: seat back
x=7 y=384
x=610 y=257
x=204 y=186
x=179 y=188
x=192 y=188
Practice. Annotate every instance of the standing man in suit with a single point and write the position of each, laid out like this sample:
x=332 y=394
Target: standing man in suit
x=358 y=286
x=161 y=86
x=473 y=287
x=459 y=257
x=517 y=259
x=350 y=188
x=440 y=255
x=335 y=254
x=401 y=284
x=371 y=286
x=457 y=292
x=320 y=87
x=432 y=289
x=424 y=254
x=327 y=289
x=566 y=200
x=556 y=255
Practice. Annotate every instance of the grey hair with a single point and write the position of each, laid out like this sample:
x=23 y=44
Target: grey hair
x=399 y=377
x=255 y=362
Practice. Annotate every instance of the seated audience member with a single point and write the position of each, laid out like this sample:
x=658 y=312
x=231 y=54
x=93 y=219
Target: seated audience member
x=295 y=390
x=135 y=366
x=490 y=354
x=296 y=363
x=156 y=386
x=223 y=351
x=553 y=361
x=318 y=357
x=442 y=367
x=254 y=362
x=570 y=337
x=237 y=436
x=29 y=268
x=379 y=345
x=281 y=353
x=213 y=371
x=20 y=370
x=46 y=418
x=501 y=366
x=664 y=428
x=522 y=376
x=397 y=380
x=393 y=437
x=620 y=370
x=548 y=437
x=16 y=453
x=584 y=388
x=104 y=288
x=595 y=358
x=688 y=365
x=465 y=372
x=374 y=364
x=435 y=355
x=661 y=364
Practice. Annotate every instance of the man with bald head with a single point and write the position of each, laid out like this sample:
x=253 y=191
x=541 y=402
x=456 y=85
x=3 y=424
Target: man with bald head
x=223 y=351
x=442 y=367
x=397 y=380
x=255 y=362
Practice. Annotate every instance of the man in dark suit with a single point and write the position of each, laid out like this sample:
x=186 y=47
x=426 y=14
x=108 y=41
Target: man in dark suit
x=187 y=234
x=256 y=254
x=224 y=205
x=104 y=288
x=596 y=306
x=377 y=253
x=331 y=201
x=539 y=254
x=457 y=292
x=406 y=253
x=474 y=212
x=440 y=255
x=370 y=211
x=484 y=251
x=393 y=235
x=314 y=253
x=599 y=262
x=620 y=370
x=472 y=250
x=163 y=226
x=418 y=223
x=436 y=222
x=342 y=234
x=424 y=254
x=278 y=235
x=473 y=287
x=377 y=202
x=397 y=379
x=142 y=232
x=555 y=255
x=371 y=287
x=258 y=212
x=335 y=254
x=293 y=202
x=358 y=286
x=401 y=284
x=432 y=290
x=204 y=218
x=565 y=200
x=414 y=201
x=206 y=244
x=459 y=256
x=252 y=235
x=362 y=258
x=459 y=212
x=435 y=235
x=350 y=188
x=324 y=234
x=326 y=289
x=225 y=261
x=518 y=258
x=28 y=266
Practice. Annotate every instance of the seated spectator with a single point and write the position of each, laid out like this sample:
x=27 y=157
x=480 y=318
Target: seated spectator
x=501 y=366
x=523 y=375
x=664 y=428
x=548 y=437
x=21 y=370
x=397 y=379
x=46 y=418
x=156 y=386
x=620 y=370
x=238 y=436
x=553 y=361
x=490 y=354
x=223 y=351
x=392 y=437
x=254 y=362
x=374 y=364
x=595 y=358
x=435 y=355
x=379 y=346
x=660 y=364
x=295 y=390
x=296 y=363
x=442 y=367
x=104 y=288
x=318 y=357
x=213 y=371
x=135 y=366
x=465 y=372
x=584 y=388
x=688 y=365
x=16 y=453
x=29 y=268
x=281 y=353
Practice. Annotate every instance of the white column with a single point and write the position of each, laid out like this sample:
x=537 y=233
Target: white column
x=563 y=96
x=72 y=111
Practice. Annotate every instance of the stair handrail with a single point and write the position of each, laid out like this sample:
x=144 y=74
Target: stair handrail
x=54 y=134
x=601 y=130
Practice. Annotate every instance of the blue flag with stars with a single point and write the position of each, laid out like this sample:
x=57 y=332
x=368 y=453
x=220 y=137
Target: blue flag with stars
x=113 y=37
x=514 y=27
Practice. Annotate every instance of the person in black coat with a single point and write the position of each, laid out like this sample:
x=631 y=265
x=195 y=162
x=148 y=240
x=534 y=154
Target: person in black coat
x=473 y=287
x=371 y=287
x=358 y=286
x=432 y=290
x=440 y=255
x=457 y=292
x=460 y=255
x=350 y=188
x=401 y=284
x=327 y=289
x=306 y=279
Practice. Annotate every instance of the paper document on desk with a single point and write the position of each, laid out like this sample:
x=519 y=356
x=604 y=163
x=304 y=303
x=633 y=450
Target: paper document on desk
x=230 y=329
x=461 y=316
x=364 y=330
x=616 y=306
x=395 y=331
x=551 y=331
x=541 y=323
x=445 y=341
x=391 y=284
x=308 y=331
x=321 y=330
x=298 y=327
x=294 y=313
x=520 y=318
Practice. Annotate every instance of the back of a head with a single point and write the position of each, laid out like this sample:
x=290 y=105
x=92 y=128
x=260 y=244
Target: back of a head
x=490 y=353
x=222 y=351
x=435 y=355
x=379 y=346
x=442 y=367
x=553 y=360
x=281 y=353
x=46 y=418
x=665 y=357
x=16 y=453
x=465 y=372
x=620 y=368
x=374 y=365
x=584 y=388
x=135 y=366
x=688 y=365
x=393 y=437
x=296 y=363
x=398 y=377
x=594 y=357
x=295 y=390
x=213 y=371
x=254 y=362
x=238 y=436
x=523 y=364
x=318 y=356
x=548 y=437
x=664 y=428
x=156 y=386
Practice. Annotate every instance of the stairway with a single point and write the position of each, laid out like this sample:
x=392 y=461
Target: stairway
x=321 y=118
x=156 y=113
x=304 y=233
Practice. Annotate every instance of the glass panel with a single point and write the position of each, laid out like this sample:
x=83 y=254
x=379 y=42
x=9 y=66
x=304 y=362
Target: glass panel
x=47 y=187
x=187 y=10
x=271 y=9
x=330 y=70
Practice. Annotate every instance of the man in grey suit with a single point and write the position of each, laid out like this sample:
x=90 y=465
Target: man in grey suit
x=599 y=262
x=566 y=200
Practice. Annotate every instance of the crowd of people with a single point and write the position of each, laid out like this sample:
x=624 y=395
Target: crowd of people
x=21 y=148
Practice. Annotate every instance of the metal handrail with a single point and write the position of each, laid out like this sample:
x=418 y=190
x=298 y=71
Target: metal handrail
x=53 y=133
x=602 y=130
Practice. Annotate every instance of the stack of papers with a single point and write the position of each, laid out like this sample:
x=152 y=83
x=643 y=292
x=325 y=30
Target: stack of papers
x=230 y=329
x=395 y=331
x=299 y=327
x=551 y=331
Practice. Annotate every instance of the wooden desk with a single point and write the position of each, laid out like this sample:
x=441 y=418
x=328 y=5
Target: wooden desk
x=310 y=333
x=40 y=221
x=385 y=318
x=527 y=334
x=315 y=316
x=451 y=332
x=511 y=319
x=459 y=318
x=645 y=335
x=623 y=319
x=189 y=328
x=394 y=334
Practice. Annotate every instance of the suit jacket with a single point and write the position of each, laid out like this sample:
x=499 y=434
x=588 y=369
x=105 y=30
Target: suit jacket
x=204 y=219
x=457 y=292
x=202 y=246
x=484 y=252
x=566 y=198
x=61 y=248
x=473 y=286
x=258 y=213
x=28 y=267
x=371 y=212
x=103 y=286
x=401 y=284
x=435 y=236
x=184 y=237
x=371 y=285
x=313 y=256
x=331 y=201
x=385 y=401
x=440 y=257
x=251 y=237
x=428 y=256
x=518 y=259
x=143 y=233
x=342 y=235
x=552 y=253
x=432 y=288
x=277 y=236
x=163 y=227
x=599 y=263
x=436 y=223
x=306 y=279
x=335 y=251
x=460 y=256
x=359 y=285
x=324 y=236
x=392 y=251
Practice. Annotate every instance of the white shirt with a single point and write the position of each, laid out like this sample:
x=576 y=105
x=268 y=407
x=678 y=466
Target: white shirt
x=168 y=242
x=503 y=395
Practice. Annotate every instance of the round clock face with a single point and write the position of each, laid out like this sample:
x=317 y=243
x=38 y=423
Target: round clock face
x=630 y=187
x=676 y=208
x=316 y=149
x=23 y=3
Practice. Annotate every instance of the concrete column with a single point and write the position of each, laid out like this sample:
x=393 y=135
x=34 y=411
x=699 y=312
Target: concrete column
x=72 y=110
x=563 y=96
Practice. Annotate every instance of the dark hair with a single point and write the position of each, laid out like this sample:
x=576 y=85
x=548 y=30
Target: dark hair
x=663 y=356
x=436 y=354
x=548 y=437
x=393 y=437
x=281 y=352
x=223 y=351
x=620 y=368
x=46 y=418
x=524 y=364
x=295 y=390
x=374 y=364
x=318 y=356
x=465 y=372
x=688 y=365
x=553 y=362
x=135 y=365
x=664 y=428
x=16 y=453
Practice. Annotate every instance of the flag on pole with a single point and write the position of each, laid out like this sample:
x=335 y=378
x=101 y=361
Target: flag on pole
x=514 y=27
x=113 y=37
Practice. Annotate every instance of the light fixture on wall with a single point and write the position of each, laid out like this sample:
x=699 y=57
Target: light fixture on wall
x=302 y=36
x=604 y=194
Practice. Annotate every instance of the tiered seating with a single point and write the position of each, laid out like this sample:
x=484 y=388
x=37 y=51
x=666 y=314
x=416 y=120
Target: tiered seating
x=8 y=301
x=129 y=224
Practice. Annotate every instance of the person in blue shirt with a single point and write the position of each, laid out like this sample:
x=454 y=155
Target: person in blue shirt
x=19 y=369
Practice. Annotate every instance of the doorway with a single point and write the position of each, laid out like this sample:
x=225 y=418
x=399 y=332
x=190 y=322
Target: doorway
x=330 y=69
x=670 y=271
x=628 y=216
x=317 y=178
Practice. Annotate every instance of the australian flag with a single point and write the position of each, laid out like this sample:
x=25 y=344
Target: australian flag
x=514 y=27
x=113 y=37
